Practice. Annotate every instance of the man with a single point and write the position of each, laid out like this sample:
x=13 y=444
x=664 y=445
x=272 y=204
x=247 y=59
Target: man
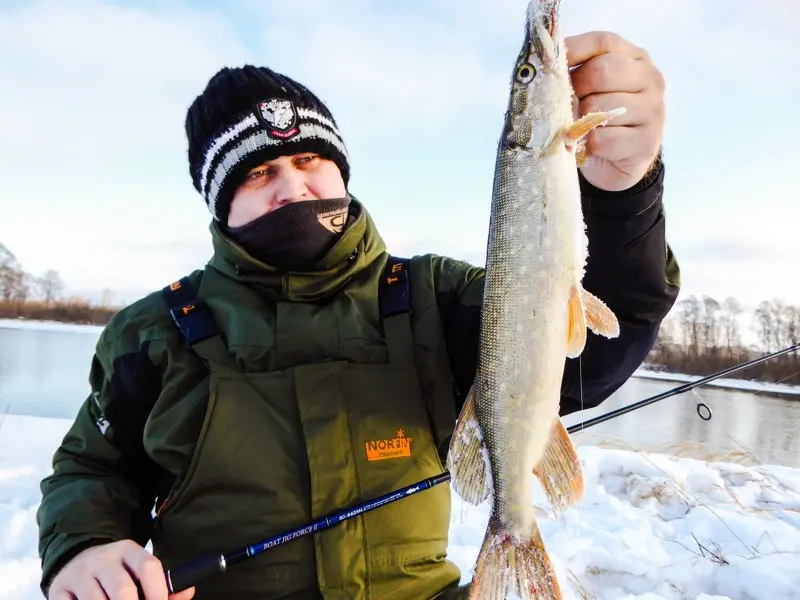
x=268 y=415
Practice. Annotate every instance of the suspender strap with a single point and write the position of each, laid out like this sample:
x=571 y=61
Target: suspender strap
x=395 y=307
x=194 y=320
x=189 y=314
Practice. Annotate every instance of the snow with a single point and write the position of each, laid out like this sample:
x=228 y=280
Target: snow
x=649 y=526
x=723 y=382
x=643 y=372
x=50 y=326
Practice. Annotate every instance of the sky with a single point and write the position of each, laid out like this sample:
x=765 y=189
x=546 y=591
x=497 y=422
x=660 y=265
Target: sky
x=95 y=184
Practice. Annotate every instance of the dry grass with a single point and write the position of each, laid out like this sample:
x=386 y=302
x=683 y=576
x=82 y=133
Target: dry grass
x=684 y=493
x=738 y=453
x=72 y=310
x=583 y=593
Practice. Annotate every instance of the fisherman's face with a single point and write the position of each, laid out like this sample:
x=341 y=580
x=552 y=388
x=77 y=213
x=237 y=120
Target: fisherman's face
x=279 y=182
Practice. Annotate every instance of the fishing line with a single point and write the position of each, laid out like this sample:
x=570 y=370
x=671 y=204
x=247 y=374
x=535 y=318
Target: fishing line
x=680 y=488
x=198 y=569
x=613 y=414
x=757 y=392
x=704 y=411
x=580 y=383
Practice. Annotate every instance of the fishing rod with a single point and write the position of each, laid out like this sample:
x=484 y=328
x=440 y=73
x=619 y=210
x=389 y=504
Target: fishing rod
x=196 y=570
x=679 y=390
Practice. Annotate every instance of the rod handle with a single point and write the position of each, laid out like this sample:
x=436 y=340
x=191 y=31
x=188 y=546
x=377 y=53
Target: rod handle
x=191 y=573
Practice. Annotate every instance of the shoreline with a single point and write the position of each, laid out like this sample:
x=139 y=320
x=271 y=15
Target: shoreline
x=55 y=326
x=643 y=372
x=782 y=390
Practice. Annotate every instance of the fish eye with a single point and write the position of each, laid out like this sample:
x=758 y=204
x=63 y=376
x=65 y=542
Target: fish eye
x=526 y=72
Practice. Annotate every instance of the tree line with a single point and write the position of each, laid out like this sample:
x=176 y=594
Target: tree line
x=699 y=337
x=41 y=297
x=703 y=335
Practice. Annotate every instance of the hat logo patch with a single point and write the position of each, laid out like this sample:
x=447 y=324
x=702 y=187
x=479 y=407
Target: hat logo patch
x=280 y=117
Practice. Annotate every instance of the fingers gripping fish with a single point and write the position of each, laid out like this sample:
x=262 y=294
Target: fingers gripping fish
x=535 y=314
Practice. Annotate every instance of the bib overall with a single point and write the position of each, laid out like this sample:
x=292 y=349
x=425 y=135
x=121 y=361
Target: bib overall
x=279 y=448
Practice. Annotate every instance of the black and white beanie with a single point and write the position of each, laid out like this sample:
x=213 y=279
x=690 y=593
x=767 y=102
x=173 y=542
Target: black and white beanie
x=249 y=115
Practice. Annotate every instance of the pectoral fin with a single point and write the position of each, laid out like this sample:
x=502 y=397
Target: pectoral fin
x=465 y=458
x=573 y=134
x=586 y=123
x=599 y=318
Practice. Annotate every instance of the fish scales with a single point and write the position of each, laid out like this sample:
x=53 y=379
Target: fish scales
x=534 y=315
x=524 y=310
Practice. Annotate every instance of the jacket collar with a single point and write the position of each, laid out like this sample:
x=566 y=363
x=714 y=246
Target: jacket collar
x=359 y=245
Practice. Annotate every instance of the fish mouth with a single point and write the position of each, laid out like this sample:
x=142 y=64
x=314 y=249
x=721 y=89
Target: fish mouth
x=542 y=29
x=550 y=16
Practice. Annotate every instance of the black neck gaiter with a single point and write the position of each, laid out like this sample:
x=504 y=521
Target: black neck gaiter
x=296 y=236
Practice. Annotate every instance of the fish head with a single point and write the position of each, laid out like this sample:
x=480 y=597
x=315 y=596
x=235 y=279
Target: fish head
x=540 y=100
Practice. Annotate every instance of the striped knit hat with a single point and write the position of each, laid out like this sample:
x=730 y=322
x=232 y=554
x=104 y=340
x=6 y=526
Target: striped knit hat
x=249 y=115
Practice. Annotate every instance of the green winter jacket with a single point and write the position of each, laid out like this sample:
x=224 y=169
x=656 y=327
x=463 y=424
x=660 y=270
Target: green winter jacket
x=276 y=422
x=306 y=402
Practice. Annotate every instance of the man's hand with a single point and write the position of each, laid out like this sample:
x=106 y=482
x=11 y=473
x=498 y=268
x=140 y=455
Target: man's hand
x=106 y=573
x=614 y=73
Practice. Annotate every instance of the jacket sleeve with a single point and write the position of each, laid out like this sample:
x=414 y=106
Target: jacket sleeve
x=630 y=267
x=100 y=490
x=633 y=270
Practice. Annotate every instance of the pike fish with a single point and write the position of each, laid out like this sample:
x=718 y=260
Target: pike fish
x=535 y=315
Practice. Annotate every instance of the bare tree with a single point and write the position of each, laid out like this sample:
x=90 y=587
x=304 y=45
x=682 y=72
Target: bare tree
x=18 y=288
x=793 y=325
x=701 y=336
x=107 y=298
x=689 y=319
x=10 y=274
x=729 y=323
x=709 y=326
x=777 y=308
x=666 y=332
x=50 y=286
x=764 y=325
x=663 y=350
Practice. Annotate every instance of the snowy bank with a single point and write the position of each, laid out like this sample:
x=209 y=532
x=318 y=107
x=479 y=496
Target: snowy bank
x=745 y=385
x=50 y=326
x=649 y=526
x=643 y=372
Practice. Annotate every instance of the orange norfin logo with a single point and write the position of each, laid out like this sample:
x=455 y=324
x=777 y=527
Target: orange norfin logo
x=397 y=447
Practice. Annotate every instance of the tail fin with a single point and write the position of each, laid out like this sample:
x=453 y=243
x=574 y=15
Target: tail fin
x=513 y=566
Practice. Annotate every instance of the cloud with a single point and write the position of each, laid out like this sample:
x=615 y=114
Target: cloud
x=759 y=250
x=91 y=131
x=96 y=80
x=389 y=74
x=91 y=123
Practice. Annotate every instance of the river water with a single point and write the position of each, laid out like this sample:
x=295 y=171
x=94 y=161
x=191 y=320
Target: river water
x=44 y=373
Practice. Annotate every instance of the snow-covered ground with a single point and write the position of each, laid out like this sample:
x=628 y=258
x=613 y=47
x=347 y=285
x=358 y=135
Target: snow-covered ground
x=723 y=382
x=643 y=372
x=50 y=326
x=649 y=526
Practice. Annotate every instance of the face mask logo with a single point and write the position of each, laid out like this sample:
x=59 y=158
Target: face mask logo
x=333 y=220
x=279 y=116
